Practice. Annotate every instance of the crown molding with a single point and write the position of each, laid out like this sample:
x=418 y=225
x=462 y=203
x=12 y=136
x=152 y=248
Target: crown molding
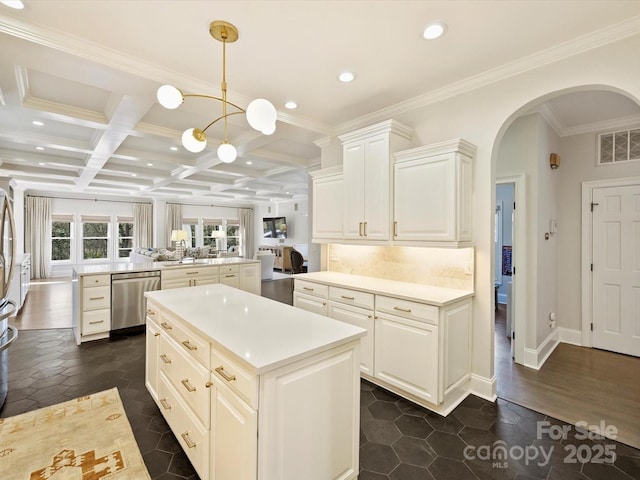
x=549 y=116
x=605 y=36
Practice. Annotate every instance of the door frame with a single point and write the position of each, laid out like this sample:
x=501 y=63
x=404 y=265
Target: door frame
x=587 y=249
x=519 y=287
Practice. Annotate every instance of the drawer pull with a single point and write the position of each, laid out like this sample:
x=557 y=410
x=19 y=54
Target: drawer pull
x=395 y=229
x=165 y=359
x=365 y=229
x=187 y=385
x=151 y=312
x=360 y=229
x=406 y=310
x=165 y=404
x=229 y=276
x=187 y=440
x=347 y=298
x=208 y=384
x=97 y=281
x=97 y=298
x=225 y=375
x=156 y=334
x=189 y=346
x=308 y=288
x=192 y=273
x=166 y=326
x=96 y=322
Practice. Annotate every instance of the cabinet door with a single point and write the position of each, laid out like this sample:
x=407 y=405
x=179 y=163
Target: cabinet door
x=327 y=207
x=425 y=199
x=376 y=188
x=311 y=304
x=250 y=278
x=175 y=283
x=205 y=280
x=406 y=355
x=152 y=355
x=235 y=442
x=353 y=200
x=231 y=279
x=360 y=317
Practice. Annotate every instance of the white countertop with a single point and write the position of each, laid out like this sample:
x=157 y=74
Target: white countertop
x=437 y=296
x=262 y=333
x=119 y=267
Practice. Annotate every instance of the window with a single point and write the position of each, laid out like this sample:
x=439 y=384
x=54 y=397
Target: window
x=233 y=234
x=209 y=225
x=619 y=146
x=189 y=225
x=125 y=236
x=61 y=228
x=95 y=237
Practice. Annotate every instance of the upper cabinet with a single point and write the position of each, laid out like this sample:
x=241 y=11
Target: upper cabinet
x=326 y=213
x=432 y=194
x=367 y=171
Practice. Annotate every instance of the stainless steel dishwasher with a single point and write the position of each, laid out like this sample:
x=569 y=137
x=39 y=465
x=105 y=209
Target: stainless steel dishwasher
x=127 y=297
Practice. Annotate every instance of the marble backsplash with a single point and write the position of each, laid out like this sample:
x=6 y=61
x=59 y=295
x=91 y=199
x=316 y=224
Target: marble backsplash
x=440 y=267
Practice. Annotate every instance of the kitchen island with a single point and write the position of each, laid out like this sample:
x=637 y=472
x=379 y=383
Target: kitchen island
x=252 y=388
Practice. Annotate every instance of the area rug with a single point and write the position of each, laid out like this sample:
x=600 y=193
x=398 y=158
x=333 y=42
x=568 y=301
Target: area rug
x=88 y=438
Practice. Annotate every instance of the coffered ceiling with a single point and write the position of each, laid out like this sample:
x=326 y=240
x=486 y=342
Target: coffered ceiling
x=88 y=72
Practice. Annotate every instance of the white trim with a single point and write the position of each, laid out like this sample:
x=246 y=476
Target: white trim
x=587 y=251
x=536 y=358
x=570 y=336
x=484 y=387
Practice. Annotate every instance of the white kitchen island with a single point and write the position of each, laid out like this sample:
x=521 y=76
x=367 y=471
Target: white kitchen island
x=252 y=388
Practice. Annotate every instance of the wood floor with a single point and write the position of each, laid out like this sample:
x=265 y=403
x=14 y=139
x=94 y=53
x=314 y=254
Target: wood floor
x=575 y=384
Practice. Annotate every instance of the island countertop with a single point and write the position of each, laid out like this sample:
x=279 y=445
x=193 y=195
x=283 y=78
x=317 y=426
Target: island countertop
x=122 y=267
x=262 y=333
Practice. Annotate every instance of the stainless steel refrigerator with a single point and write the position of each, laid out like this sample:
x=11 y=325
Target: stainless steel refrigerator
x=7 y=307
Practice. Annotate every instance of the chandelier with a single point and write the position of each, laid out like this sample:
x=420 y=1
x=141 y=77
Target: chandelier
x=260 y=113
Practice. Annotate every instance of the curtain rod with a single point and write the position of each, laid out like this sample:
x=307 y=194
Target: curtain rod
x=89 y=199
x=212 y=205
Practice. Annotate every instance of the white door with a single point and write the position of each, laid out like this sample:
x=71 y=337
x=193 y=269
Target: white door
x=616 y=269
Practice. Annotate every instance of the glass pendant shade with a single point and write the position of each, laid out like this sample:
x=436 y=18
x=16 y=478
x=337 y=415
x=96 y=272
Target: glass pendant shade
x=169 y=97
x=227 y=153
x=191 y=143
x=261 y=115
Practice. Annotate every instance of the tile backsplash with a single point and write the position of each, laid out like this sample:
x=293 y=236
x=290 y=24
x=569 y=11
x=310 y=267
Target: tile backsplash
x=440 y=267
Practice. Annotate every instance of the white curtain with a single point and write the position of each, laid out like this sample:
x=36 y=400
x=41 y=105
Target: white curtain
x=37 y=231
x=142 y=225
x=246 y=232
x=172 y=220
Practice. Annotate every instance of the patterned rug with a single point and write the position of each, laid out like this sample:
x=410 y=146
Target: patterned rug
x=88 y=438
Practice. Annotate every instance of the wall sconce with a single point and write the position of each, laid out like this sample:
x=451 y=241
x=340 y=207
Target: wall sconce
x=554 y=161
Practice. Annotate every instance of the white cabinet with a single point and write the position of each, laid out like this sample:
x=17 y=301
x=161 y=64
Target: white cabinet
x=152 y=357
x=189 y=276
x=367 y=177
x=94 y=296
x=432 y=194
x=250 y=278
x=327 y=187
x=310 y=303
x=360 y=317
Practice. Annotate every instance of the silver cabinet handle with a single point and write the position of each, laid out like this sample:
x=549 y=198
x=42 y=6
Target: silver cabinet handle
x=187 y=440
x=225 y=375
x=187 y=344
x=406 y=310
x=347 y=298
x=187 y=385
x=165 y=359
x=166 y=326
x=165 y=404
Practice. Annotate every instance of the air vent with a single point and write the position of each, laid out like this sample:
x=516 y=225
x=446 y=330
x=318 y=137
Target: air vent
x=621 y=146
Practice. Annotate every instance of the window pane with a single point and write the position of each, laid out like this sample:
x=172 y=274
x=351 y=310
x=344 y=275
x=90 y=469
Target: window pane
x=206 y=230
x=209 y=242
x=233 y=230
x=96 y=248
x=232 y=242
x=125 y=243
x=125 y=229
x=60 y=249
x=61 y=229
x=95 y=229
x=621 y=152
x=606 y=148
x=124 y=253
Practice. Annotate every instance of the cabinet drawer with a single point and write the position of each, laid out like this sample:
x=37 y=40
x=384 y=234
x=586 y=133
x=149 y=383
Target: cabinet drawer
x=153 y=311
x=229 y=269
x=188 y=272
x=193 y=439
x=96 y=298
x=407 y=309
x=309 y=303
x=96 y=280
x=351 y=297
x=310 y=288
x=96 y=321
x=191 y=343
x=242 y=382
x=188 y=377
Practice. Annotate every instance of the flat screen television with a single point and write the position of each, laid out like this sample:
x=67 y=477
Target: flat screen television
x=274 y=227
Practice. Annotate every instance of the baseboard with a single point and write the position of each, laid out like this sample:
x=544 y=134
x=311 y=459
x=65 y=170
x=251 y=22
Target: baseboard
x=536 y=358
x=568 y=335
x=484 y=387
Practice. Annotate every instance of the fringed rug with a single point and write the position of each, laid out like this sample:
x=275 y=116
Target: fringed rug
x=88 y=438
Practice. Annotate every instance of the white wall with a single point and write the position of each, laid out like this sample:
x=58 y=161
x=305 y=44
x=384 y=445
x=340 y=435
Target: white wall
x=578 y=164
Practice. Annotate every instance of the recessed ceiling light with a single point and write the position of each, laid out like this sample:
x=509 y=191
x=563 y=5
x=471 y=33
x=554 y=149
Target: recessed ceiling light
x=175 y=149
x=249 y=162
x=433 y=31
x=133 y=174
x=291 y=105
x=17 y=4
x=42 y=164
x=38 y=123
x=346 y=77
x=246 y=188
x=39 y=148
x=287 y=193
x=149 y=164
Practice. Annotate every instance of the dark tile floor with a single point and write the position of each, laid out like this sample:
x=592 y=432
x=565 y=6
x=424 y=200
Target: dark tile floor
x=398 y=440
